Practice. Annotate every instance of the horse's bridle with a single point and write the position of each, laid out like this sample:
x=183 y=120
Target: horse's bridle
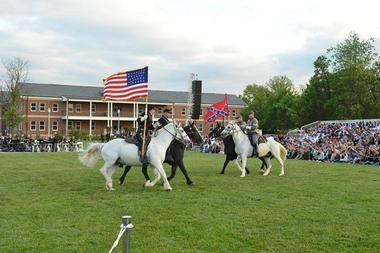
x=182 y=139
x=233 y=130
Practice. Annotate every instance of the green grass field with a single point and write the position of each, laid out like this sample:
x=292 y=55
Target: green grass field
x=51 y=203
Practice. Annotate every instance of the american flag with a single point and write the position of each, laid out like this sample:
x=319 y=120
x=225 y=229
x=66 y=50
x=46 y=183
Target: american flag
x=126 y=85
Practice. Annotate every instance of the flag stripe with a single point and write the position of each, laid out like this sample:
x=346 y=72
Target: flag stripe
x=126 y=85
x=123 y=89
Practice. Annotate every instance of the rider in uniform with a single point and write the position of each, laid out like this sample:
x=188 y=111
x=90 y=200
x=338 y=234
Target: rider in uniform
x=163 y=121
x=252 y=125
x=240 y=122
x=149 y=129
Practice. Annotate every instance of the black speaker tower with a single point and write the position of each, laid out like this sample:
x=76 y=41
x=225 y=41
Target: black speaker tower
x=196 y=88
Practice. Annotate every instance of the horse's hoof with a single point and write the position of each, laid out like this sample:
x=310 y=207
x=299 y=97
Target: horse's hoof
x=112 y=189
x=169 y=189
x=148 y=184
x=242 y=175
x=282 y=174
x=190 y=183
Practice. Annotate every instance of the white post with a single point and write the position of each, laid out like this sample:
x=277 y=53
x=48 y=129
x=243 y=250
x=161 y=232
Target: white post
x=49 y=110
x=118 y=121
x=90 y=118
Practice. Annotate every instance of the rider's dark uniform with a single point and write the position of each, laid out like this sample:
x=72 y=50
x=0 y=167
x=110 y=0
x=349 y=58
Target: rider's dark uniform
x=140 y=131
x=163 y=121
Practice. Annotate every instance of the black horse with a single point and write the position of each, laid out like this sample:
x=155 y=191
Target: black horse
x=174 y=156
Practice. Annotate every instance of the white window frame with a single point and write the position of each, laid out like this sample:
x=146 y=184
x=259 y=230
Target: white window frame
x=93 y=108
x=76 y=125
x=40 y=125
x=200 y=127
x=70 y=125
x=159 y=110
x=35 y=107
x=55 y=109
x=183 y=111
x=55 y=128
x=33 y=122
x=233 y=113
x=78 y=106
x=44 y=106
x=71 y=107
x=93 y=125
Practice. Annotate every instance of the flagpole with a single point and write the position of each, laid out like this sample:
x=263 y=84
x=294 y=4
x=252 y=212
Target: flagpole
x=144 y=134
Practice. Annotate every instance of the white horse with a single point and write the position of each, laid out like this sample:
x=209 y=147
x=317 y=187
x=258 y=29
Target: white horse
x=244 y=149
x=118 y=151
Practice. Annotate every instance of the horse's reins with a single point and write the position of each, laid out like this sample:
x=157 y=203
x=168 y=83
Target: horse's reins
x=233 y=130
x=182 y=140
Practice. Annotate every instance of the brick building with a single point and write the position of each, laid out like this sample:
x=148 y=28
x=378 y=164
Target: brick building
x=58 y=109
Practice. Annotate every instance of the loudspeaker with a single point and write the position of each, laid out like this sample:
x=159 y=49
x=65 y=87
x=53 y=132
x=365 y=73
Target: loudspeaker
x=196 y=87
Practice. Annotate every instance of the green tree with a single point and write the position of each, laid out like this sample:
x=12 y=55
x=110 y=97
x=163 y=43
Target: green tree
x=274 y=103
x=282 y=104
x=354 y=63
x=16 y=73
x=255 y=96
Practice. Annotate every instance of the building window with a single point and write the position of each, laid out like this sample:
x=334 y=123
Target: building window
x=141 y=109
x=93 y=108
x=55 y=125
x=70 y=125
x=71 y=107
x=33 y=107
x=233 y=113
x=200 y=128
x=78 y=125
x=183 y=112
x=159 y=110
x=55 y=107
x=78 y=107
x=201 y=112
x=42 y=125
x=33 y=125
x=42 y=107
x=93 y=125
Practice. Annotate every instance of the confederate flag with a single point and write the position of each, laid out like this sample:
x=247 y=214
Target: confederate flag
x=217 y=110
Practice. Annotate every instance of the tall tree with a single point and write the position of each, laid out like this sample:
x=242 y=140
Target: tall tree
x=16 y=71
x=273 y=103
x=282 y=102
x=353 y=62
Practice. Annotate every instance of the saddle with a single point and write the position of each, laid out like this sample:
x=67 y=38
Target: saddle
x=131 y=140
x=261 y=139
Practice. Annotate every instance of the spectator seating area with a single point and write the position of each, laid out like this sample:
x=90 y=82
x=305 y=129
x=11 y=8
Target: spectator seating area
x=53 y=144
x=356 y=141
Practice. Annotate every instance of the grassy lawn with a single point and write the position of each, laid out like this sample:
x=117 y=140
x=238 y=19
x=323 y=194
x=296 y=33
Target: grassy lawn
x=51 y=203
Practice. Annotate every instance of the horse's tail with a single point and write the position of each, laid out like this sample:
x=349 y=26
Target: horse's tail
x=283 y=152
x=91 y=155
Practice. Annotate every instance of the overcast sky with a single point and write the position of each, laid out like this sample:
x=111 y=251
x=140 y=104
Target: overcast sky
x=228 y=43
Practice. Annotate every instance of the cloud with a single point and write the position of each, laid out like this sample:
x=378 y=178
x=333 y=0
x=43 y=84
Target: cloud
x=228 y=43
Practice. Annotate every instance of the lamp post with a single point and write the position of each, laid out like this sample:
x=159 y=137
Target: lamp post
x=49 y=110
x=118 y=122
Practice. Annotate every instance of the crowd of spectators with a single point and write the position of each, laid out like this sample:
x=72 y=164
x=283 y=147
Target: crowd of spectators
x=348 y=142
x=212 y=145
